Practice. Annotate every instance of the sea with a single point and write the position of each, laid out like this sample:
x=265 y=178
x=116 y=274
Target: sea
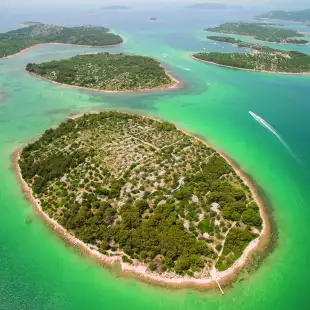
x=271 y=144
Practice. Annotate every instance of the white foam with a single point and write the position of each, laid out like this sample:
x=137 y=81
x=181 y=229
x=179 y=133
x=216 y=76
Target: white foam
x=273 y=131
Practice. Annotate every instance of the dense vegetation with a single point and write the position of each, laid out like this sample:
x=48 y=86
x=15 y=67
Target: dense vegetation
x=297 y=16
x=14 y=41
x=261 y=32
x=142 y=190
x=114 y=72
x=262 y=58
x=239 y=43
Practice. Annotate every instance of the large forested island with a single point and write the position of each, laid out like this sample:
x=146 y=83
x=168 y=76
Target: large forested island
x=105 y=71
x=15 y=41
x=261 y=31
x=261 y=58
x=140 y=191
x=296 y=16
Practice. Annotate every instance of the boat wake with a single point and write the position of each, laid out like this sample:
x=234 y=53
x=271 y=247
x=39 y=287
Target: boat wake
x=184 y=68
x=262 y=122
x=179 y=66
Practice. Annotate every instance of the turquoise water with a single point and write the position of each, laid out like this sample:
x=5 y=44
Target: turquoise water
x=38 y=271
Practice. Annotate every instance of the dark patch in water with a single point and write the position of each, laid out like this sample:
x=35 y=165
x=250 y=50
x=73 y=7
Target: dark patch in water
x=2 y=95
x=29 y=220
x=58 y=111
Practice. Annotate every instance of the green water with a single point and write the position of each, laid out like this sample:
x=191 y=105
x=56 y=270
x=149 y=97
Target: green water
x=38 y=271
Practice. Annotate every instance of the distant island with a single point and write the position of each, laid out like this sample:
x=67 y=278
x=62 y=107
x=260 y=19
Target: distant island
x=212 y=6
x=29 y=23
x=153 y=19
x=241 y=43
x=15 y=41
x=261 y=58
x=140 y=192
x=115 y=7
x=106 y=72
x=296 y=16
x=260 y=31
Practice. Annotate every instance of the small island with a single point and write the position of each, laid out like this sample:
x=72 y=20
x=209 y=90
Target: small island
x=261 y=58
x=16 y=41
x=140 y=192
x=240 y=43
x=296 y=16
x=107 y=72
x=153 y=19
x=261 y=31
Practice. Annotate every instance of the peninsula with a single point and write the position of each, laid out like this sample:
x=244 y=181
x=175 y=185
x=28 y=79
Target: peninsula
x=140 y=192
x=106 y=72
x=34 y=33
x=261 y=31
x=296 y=16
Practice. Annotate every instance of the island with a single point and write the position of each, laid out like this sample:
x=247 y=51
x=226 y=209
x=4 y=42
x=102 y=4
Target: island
x=138 y=191
x=107 y=72
x=296 y=16
x=261 y=31
x=16 y=41
x=261 y=58
x=240 y=43
x=212 y=6
x=153 y=19
x=115 y=7
x=30 y=23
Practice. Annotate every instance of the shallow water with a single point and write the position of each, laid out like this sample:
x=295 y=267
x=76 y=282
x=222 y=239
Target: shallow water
x=38 y=271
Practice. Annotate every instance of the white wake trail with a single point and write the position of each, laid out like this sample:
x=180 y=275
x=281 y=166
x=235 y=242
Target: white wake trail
x=273 y=131
x=175 y=61
x=184 y=68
